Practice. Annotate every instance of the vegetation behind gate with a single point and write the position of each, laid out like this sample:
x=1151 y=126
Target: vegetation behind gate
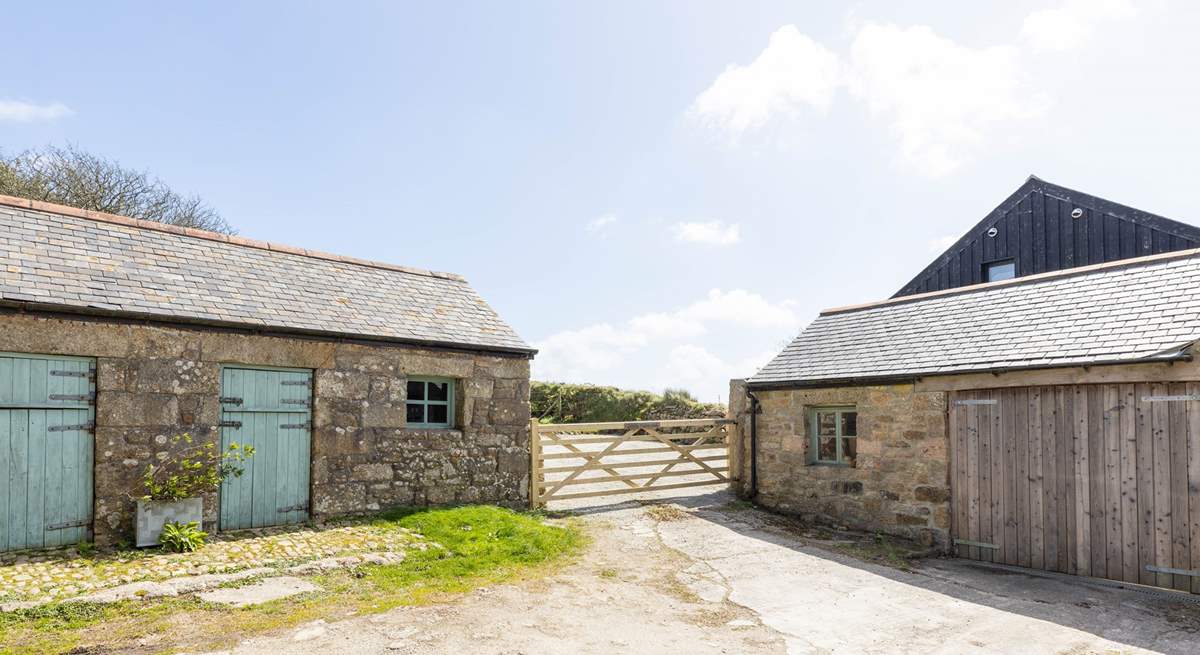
x=556 y=402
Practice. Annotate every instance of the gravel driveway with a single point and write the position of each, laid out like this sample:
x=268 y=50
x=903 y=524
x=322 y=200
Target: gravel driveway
x=719 y=579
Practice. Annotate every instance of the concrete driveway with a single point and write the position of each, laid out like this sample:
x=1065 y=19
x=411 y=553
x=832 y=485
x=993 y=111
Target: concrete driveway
x=825 y=603
x=718 y=578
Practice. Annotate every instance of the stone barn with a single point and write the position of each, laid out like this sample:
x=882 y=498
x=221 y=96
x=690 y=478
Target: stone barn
x=362 y=385
x=1030 y=399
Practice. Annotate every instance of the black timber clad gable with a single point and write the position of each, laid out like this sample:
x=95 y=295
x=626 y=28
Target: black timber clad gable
x=1035 y=229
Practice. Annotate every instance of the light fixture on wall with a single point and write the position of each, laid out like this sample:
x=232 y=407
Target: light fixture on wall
x=992 y=232
x=1077 y=213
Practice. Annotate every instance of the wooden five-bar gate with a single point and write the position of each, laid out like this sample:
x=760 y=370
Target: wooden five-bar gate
x=584 y=460
x=1099 y=480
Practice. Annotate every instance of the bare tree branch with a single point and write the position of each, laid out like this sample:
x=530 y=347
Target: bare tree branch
x=70 y=176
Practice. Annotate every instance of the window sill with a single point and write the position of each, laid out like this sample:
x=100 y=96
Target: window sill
x=431 y=428
x=836 y=465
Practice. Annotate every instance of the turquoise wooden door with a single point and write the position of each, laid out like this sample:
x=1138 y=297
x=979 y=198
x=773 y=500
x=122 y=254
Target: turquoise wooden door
x=46 y=450
x=269 y=410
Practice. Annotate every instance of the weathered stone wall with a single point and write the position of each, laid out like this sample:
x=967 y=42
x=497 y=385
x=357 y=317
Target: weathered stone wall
x=156 y=381
x=901 y=482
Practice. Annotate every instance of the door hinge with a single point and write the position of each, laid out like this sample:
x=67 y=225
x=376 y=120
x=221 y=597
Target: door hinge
x=1166 y=569
x=293 y=508
x=296 y=426
x=1168 y=399
x=976 y=402
x=294 y=383
x=230 y=400
x=86 y=427
x=88 y=397
x=70 y=524
x=230 y=424
x=294 y=401
x=89 y=374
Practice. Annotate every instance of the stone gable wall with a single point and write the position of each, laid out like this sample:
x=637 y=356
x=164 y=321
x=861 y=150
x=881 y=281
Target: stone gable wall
x=901 y=482
x=156 y=381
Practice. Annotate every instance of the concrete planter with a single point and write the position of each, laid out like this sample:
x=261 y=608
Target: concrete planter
x=152 y=515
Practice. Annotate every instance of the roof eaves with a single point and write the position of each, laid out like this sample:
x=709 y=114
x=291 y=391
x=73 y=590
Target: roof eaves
x=256 y=327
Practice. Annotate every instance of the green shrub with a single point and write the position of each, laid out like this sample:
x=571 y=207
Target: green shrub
x=193 y=469
x=182 y=537
x=554 y=402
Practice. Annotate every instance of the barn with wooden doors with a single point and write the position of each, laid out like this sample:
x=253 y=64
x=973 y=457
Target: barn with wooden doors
x=362 y=385
x=1049 y=420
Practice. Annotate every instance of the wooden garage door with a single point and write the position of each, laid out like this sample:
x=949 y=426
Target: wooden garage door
x=269 y=410
x=1096 y=480
x=46 y=451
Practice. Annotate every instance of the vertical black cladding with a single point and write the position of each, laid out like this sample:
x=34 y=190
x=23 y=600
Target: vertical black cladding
x=1045 y=227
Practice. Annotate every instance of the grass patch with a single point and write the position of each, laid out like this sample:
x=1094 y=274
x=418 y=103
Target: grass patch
x=479 y=545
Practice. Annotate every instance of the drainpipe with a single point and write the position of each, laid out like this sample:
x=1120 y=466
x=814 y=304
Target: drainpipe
x=753 y=444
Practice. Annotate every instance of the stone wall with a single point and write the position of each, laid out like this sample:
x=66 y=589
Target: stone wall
x=901 y=482
x=156 y=381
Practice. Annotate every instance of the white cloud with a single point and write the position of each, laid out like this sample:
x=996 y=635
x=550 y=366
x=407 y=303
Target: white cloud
x=943 y=101
x=600 y=223
x=593 y=348
x=677 y=325
x=21 y=111
x=741 y=307
x=663 y=348
x=715 y=233
x=693 y=364
x=793 y=71
x=1071 y=24
x=940 y=98
x=941 y=243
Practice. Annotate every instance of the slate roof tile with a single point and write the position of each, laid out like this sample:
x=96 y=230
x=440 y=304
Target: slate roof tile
x=1126 y=311
x=81 y=263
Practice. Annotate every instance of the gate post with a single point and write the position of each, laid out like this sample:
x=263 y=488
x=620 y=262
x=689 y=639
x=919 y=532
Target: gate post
x=535 y=465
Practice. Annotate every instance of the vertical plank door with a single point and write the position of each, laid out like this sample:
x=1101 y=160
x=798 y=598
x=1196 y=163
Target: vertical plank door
x=1097 y=480
x=46 y=450
x=269 y=410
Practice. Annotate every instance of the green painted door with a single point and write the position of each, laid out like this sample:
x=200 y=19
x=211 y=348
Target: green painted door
x=46 y=450
x=269 y=410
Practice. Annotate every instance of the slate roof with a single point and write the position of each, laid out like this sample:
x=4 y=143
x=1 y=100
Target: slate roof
x=66 y=259
x=1133 y=310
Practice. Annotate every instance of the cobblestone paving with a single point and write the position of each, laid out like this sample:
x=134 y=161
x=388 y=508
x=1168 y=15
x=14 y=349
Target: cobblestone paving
x=60 y=574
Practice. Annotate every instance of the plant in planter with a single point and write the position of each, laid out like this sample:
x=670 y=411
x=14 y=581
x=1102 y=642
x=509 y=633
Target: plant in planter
x=175 y=487
x=182 y=537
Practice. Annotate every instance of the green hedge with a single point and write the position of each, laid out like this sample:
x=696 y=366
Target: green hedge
x=554 y=402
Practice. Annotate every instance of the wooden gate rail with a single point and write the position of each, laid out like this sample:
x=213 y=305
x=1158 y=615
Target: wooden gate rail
x=677 y=437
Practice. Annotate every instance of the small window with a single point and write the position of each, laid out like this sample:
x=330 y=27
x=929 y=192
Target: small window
x=1005 y=269
x=430 y=402
x=834 y=432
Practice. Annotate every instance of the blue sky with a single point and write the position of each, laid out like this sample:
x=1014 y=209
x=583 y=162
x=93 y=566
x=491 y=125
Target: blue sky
x=653 y=193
